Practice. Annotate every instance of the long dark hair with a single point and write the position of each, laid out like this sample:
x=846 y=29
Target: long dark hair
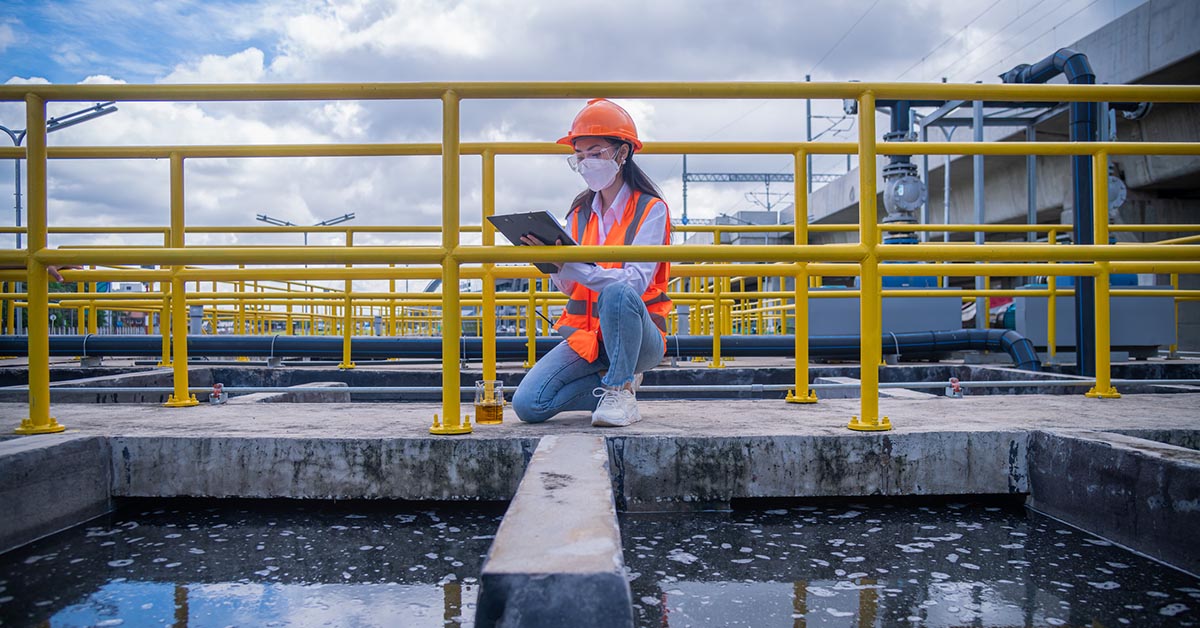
x=632 y=174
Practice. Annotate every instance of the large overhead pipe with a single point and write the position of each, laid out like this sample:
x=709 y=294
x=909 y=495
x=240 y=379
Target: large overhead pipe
x=1083 y=129
x=926 y=344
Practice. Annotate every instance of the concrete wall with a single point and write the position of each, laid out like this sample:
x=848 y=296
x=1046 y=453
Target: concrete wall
x=650 y=472
x=305 y=468
x=50 y=483
x=1140 y=493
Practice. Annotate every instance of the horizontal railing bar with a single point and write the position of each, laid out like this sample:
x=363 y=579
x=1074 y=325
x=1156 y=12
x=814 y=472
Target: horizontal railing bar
x=661 y=389
x=650 y=148
x=559 y=90
x=814 y=228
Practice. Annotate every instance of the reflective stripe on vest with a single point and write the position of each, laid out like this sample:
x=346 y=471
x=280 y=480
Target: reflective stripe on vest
x=579 y=322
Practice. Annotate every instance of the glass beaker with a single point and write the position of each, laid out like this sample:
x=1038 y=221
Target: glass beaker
x=489 y=402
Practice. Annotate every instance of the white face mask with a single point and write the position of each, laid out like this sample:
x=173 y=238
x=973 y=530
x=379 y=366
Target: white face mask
x=598 y=173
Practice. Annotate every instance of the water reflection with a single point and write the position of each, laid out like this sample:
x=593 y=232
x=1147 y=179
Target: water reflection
x=892 y=565
x=260 y=564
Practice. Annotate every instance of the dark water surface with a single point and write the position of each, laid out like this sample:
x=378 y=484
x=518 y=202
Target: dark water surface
x=236 y=563
x=254 y=564
x=852 y=565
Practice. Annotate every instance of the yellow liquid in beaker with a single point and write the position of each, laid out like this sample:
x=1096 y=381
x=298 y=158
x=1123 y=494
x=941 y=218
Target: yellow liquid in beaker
x=489 y=413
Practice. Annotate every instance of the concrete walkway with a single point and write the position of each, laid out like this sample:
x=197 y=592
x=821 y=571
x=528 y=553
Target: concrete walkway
x=716 y=418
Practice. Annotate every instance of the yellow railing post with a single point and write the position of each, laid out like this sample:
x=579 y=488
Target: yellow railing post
x=1174 y=350
x=801 y=393
x=178 y=326
x=489 y=283
x=870 y=297
x=39 y=420
x=531 y=325
x=10 y=325
x=1104 y=388
x=452 y=421
x=93 y=313
x=164 y=323
x=1052 y=307
x=347 y=315
x=718 y=325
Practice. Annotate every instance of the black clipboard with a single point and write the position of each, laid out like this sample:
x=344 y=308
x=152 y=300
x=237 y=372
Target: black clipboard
x=542 y=224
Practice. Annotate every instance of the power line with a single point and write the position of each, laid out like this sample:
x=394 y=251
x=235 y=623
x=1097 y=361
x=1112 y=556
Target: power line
x=949 y=39
x=981 y=44
x=1035 y=39
x=966 y=70
x=842 y=38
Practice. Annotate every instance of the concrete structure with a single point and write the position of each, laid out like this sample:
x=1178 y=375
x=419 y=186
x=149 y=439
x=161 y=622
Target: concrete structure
x=49 y=484
x=1140 y=493
x=557 y=559
x=1153 y=43
x=557 y=556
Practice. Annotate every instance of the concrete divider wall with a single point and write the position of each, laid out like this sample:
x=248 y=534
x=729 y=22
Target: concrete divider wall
x=706 y=471
x=557 y=558
x=50 y=483
x=327 y=468
x=1140 y=493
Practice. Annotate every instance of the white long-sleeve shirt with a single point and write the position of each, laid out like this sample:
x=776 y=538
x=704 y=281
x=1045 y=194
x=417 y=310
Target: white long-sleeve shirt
x=636 y=274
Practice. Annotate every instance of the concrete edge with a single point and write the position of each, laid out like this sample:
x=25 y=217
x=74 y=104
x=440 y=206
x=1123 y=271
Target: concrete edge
x=672 y=473
x=1140 y=493
x=557 y=559
x=334 y=395
x=264 y=467
x=51 y=483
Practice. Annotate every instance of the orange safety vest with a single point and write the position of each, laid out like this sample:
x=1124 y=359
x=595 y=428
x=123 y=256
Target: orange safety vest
x=580 y=321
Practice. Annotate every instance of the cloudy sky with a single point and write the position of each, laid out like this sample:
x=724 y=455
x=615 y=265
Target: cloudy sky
x=219 y=41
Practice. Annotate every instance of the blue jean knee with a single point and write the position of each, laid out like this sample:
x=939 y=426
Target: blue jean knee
x=525 y=404
x=618 y=294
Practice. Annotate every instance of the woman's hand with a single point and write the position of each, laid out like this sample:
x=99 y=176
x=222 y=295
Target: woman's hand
x=531 y=240
x=54 y=274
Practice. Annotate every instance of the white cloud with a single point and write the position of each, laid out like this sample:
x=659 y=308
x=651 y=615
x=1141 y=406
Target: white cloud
x=8 y=37
x=492 y=40
x=242 y=67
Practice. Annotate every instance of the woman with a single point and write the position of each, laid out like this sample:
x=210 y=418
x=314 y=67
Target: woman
x=615 y=321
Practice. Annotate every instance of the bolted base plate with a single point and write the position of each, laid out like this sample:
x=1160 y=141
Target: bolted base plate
x=442 y=429
x=811 y=397
x=28 y=427
x=882 y=425
x=1110 y=393
x=173 y=402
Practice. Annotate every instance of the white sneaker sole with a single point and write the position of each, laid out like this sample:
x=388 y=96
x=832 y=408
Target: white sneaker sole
x=601 y=422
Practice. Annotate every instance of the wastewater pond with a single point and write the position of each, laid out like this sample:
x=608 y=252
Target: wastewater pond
x=888 y=564
x=240 y=563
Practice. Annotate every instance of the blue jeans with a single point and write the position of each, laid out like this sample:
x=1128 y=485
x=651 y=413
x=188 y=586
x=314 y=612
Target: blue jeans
x=562 y=381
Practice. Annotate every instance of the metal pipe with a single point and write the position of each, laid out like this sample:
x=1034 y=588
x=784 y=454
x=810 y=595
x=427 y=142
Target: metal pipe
x=1040 y=383
x=1078 y=71
x=513 y=348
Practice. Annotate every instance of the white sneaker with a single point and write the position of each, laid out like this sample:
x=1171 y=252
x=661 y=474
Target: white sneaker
x=617 y=408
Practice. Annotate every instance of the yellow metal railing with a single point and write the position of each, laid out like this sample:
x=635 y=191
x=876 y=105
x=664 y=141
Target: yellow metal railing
x=806 y=260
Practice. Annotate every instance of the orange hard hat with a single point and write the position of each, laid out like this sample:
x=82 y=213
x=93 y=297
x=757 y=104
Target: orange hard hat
x=603 y=118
